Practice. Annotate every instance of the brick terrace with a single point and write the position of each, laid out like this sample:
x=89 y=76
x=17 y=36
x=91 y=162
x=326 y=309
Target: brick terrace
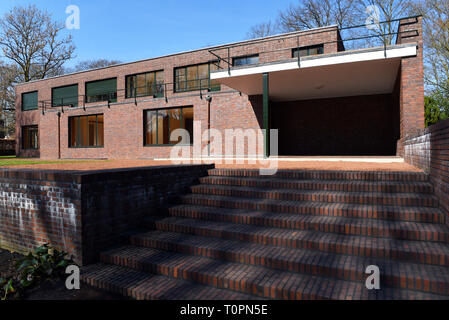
x=294 y=165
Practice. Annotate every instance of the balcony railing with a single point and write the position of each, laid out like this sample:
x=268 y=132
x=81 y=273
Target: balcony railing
x=196 y=84
x=356 y=37
x=101 y=97
x=157 y=90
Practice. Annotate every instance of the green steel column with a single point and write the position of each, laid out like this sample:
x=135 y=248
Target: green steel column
x=266 y=124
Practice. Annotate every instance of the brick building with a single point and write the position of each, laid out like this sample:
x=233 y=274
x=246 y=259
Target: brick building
x=323 y=98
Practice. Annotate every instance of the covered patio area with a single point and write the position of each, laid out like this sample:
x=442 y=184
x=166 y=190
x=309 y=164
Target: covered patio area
x=338 y=104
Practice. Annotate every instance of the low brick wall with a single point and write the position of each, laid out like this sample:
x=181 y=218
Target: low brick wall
x=7 y=147
x=84 y=212
x=429 y=150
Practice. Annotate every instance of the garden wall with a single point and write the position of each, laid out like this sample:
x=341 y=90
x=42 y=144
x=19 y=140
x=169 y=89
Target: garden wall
x=84 y=212
x=429 y=150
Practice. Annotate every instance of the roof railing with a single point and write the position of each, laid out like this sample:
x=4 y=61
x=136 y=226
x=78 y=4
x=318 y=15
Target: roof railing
x=224 y=53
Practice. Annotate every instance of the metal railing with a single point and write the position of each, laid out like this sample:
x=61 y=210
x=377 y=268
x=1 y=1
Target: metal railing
x=157 y=90
x=224 y=53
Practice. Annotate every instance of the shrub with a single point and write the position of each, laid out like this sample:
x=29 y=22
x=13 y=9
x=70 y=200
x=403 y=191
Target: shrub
x=40 y=265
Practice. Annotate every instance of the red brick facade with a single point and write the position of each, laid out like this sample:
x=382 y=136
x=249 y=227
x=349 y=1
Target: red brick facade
x=411 y=81
x=123 y=120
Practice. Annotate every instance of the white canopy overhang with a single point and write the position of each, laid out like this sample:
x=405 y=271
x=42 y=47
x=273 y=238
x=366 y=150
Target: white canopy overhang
x=349 y=73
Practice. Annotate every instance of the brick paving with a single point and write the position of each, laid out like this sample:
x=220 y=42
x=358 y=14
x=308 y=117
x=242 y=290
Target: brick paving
x=298 y=235
x=103 y=164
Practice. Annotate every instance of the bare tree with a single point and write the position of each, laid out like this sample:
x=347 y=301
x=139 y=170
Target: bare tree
x=264 y=29
x=95 y=64
x=30 y=38
x=309 y=14
x=436 y=44
x=385 y=11
x=9 y=75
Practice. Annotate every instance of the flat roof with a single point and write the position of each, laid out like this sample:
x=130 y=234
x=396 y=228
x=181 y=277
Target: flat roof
x=183 y=52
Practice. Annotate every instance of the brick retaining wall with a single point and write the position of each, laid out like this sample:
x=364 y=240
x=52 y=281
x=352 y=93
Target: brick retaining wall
x=83 y=212
x=429 y=150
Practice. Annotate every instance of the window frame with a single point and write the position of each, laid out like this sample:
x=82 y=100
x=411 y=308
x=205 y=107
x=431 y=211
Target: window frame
x=37 y=100
x=96 y=130
x=209 y=88
x=145 y=112
x=114 y=100
x=22 y=147
x=160 y=95
x=70 y=85
x=308 y=48
x=246 y=57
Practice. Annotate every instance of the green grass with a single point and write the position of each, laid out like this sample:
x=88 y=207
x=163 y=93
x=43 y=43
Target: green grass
x=13 y=161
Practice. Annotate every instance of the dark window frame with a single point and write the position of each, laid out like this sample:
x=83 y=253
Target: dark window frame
x=60 y=87
x=37 y=100
x=245 y=57
x=175 y=80
x=30 y=142
x=96 y=131
x=109 y=94
x=308 y=48
x=145 y=112
x=129 y=95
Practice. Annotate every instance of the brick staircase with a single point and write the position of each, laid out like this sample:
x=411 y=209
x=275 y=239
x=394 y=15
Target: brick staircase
x=295 y=235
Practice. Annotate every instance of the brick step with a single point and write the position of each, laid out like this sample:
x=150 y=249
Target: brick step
x=348 y=226
x=325 y=175
x=384 y=248
x=395 y=213
x=323 y=185
x=398 y=199
x=247 y=279
x=421 y=277
x=146 y=286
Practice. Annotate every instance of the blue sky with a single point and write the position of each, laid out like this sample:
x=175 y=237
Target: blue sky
x=129 y=30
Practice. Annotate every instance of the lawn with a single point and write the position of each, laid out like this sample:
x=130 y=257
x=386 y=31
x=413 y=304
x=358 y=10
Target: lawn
x=13 y=161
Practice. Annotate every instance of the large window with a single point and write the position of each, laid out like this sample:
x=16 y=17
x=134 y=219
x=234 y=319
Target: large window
x=145 y=84
x=65 y=96
x=86 y=131
x=102 y=90
x=159 y=124
x=30 y=137
x=241 y=61
x=308 y=51
x=196 y=77
x=29 y=101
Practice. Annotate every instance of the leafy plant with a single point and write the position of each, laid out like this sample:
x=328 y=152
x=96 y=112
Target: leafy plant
x=436 y=108
x=42 y=264
x=7 y=287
